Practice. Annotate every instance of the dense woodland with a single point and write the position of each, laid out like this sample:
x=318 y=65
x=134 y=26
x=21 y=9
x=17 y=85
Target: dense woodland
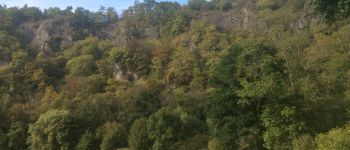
x=281 y=83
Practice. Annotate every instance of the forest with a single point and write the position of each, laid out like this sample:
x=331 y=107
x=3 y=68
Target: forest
x=208 y=75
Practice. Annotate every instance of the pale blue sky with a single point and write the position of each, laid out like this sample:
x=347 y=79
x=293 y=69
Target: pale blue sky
x=119 y=5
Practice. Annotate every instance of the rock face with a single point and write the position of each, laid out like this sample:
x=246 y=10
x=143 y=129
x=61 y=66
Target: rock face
x=52 y=33
x=242 y=15
x=120 y=74
x=245 y=15
x=48 y=35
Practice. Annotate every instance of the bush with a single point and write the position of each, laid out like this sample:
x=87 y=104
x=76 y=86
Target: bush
x=115 y=136
x=336 y=139
x=138 y=137
x=305 y=142
x=54 y=130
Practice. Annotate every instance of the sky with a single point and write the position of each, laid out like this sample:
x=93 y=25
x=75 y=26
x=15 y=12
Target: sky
x=93 y=5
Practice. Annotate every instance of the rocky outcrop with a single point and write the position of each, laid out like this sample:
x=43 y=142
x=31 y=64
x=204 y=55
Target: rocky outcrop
x=48 y=35
x=120 y=74
x=242 y=15
x=52 y=33
x=245 y=14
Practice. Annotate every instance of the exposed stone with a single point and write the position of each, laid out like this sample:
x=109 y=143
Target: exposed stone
x=48 y=35
x=120 y=74
x=52 y=32
x=242 y=15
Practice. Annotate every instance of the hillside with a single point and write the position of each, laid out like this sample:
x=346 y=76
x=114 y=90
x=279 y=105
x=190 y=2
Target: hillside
x=216 y=75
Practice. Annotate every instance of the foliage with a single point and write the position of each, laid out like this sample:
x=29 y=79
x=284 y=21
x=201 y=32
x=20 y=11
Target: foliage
x=88 y=141
x=335 y=139
x=332 y=10
x=166 y=127
x=81 y=66
x=17 y=136
x=217 y=75
x=115 y=136
x=54 y=130
x=138 y=136
x=304 y=142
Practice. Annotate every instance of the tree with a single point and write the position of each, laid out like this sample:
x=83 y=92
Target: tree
x=271 y=4
x=138 y=136
x=112 y=15
x=81 y=66
x=88 y=141
x=335 y=139
x=8 y=45
x=177 y=26
x=160 y=59
x=168 y=126
x=17 y=76
x=250 y=92
x=115 y=136
x=165 y=12
x=52 y=12
x=3 y=140
x=223 y=4
x=324 y=84
x=137 y=58
x=17 y=136
x=56 y=129
x=304 y=142
x=227 y=121
x=180 y=69
x=333 y=9
x=200 y=4
x=263 y=80
x=31 y=13
x=89 y=46
x=145 y=103
x=14 y=15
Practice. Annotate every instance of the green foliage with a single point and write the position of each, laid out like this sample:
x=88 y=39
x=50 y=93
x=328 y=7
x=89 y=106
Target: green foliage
x=177 y=26
x=115 y=136
x=8 y=44
x=138 y=57
x=198 y=141
x=19 y=59
x=55 y=129
x=272 y=4
x=93 y=110
x=3 y=140
x=88 y=141
x=89 y=46
x=248 y=75
x=223 y=102
x=32 y=13
x=217 y=75
x=304 y=142
x=81 y=66
x=336 y=139
x=17 y=136
x=138 y=136
x=223 y=4
x=214 y=145
x=180 y=70
x=281 y=125
x=166 y=127
x=200 y=4
x=333 y=10
x=146 y=103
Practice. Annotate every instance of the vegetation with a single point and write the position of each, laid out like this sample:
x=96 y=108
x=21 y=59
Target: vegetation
x=168 y=77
